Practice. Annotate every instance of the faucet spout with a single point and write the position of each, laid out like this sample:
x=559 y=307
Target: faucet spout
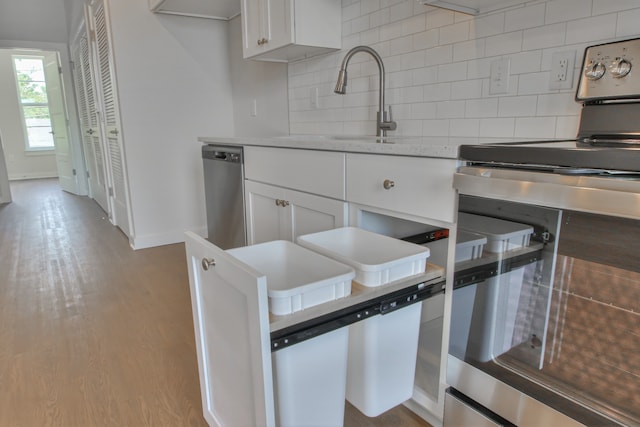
x=384 y=121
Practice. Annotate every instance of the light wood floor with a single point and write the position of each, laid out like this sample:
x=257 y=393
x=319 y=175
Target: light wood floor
x=93 y=333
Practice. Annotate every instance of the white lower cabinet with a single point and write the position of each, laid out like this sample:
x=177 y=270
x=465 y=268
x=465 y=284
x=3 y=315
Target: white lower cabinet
x=231 y=324
x=275 y=213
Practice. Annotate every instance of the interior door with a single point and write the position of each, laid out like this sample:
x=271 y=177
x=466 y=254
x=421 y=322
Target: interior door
x=58 y=112
x=111 y=116
x=91 y=135
x=5 y=189
x=231 y=323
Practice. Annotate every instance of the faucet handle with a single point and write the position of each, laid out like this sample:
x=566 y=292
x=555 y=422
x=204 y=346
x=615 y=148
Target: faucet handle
x=387 y=120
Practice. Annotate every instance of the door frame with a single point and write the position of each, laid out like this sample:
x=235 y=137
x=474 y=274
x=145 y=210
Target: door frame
x=75 y=140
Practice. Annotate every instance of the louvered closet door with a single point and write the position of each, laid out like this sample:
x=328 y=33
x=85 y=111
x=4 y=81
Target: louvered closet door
x=111 y=117
x=91 y=140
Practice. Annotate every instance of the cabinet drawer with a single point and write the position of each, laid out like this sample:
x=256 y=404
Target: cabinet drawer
x=317 y=172
x=417 y=185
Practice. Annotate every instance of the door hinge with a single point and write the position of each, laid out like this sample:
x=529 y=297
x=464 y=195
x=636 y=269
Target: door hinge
x=88 y=175
x=110 y=191
x=75 y=172
x=59 y=69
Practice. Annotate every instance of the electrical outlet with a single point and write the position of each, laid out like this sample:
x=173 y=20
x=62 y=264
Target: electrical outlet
x=499 y=77
x=561 y=76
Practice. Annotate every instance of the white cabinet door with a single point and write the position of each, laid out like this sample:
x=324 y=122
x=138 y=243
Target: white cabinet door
x=252 y=27
x=285 y=30
x=231 y=323
x=265 y=219
x=274 y=213
x=310 y=213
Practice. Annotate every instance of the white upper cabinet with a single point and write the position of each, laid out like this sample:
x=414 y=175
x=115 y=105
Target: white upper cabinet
x=212 y=9
x=285 y=30
x=472 y=7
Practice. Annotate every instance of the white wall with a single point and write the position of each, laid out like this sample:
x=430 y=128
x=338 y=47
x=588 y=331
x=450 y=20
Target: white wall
x=173 y=85
x=19 y=163
x=438 y=64
x=33 y=20
x=259 y=81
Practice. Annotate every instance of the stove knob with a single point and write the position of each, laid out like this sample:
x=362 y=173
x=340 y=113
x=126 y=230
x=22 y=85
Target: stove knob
x=594 y=70
x=620 y=67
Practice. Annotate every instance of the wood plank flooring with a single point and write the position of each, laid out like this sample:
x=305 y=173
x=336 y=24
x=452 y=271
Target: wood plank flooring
x=93 y=333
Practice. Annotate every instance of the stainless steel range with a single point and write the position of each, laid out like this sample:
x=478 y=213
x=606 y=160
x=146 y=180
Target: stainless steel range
x=551 y=328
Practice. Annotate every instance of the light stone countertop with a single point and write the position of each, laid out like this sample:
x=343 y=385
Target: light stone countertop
x=437 y=147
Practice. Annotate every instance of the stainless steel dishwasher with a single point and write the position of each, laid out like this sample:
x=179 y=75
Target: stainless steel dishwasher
x=224 y=195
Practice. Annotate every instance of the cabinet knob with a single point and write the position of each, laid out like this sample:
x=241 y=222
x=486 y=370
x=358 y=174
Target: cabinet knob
x=388 y=184
x=285 y=203
x=262 y=41
x=208 y=262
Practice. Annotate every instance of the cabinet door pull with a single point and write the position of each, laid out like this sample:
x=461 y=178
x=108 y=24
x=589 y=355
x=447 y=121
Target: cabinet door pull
x=388 y=184
x=208 y=262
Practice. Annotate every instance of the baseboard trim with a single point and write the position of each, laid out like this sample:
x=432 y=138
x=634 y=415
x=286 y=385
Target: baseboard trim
x=169 y=238
x=37 y=175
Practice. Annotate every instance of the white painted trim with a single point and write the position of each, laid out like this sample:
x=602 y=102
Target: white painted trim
x=168 y=238
x=37 y=175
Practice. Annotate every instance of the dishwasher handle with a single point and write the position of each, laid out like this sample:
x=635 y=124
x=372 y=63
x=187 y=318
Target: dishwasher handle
x=223 y=154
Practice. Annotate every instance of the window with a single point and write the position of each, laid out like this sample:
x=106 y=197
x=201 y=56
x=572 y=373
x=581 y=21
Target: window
x=32 y=95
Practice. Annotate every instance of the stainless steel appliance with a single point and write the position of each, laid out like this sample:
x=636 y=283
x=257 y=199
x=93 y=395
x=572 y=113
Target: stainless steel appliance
x=224 y=195
x=553 y=333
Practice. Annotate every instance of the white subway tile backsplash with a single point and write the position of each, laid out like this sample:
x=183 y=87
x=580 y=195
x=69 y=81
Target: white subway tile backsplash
x=478 y=69
x=592 y=29
x=437 y=92
x=391 y=31
x=498 y=128
x=423 y=110
x=439 y=18
x=466 y=89
x=533 y=83
x=450 y=109
x=452 y=72
x=567 y=127
x=414 y=25
x=535 y=127
x=489 y=25
x=401 y=45
x=544 y=37
x=525 y=62
x=369 y=6
x=472 y=49
x=606 y=6
x=351 y=11
x=454 y=33
x=568 y=10
x=401 y=10
x=556 y=105
x=628 y=23
x=464 y=127
x=435 y=127
x=439 y=55
x=378 y=18
x=504 y=43
x=525 y=17
x=517 y=106
x=360 y=24
x=481 y=108
x=438 y=65
x=426 y=39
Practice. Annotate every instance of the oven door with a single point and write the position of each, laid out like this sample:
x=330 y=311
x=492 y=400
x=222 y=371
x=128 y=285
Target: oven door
x=549 y=333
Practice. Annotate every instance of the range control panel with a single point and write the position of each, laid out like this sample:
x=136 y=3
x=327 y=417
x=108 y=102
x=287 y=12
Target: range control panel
x=610 y=71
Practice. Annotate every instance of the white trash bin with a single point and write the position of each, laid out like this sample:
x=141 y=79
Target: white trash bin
x=382 y=349
x=310 y=376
